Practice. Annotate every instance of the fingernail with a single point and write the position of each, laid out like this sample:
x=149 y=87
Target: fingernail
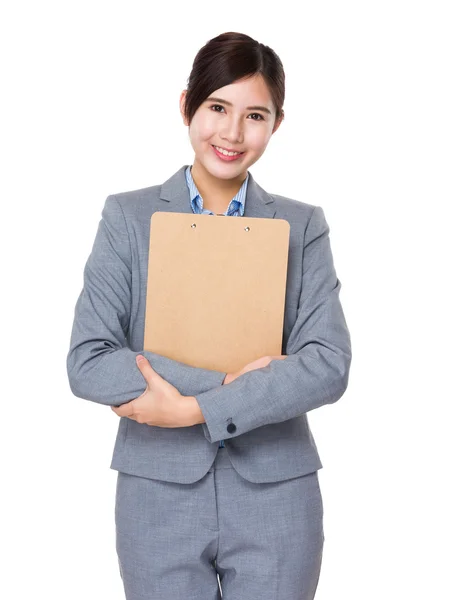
x=139 y=357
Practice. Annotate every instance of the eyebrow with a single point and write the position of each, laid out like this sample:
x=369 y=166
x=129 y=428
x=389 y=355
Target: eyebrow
x=221 y=101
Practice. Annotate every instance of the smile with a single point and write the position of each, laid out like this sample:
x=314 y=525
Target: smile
x=225 y=154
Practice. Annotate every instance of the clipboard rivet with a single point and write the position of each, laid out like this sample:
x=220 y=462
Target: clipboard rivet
x=247 y=229
x=193 y=225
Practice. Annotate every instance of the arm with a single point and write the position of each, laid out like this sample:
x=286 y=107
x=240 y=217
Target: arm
x=100 y=365
x=317 y=366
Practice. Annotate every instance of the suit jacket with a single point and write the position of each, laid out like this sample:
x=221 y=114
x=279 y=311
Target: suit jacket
x=262 y=415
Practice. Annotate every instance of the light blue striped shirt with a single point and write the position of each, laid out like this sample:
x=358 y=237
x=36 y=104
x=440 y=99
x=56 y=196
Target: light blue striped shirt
x=234 y=209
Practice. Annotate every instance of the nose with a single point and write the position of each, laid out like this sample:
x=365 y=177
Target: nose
x=233 y=131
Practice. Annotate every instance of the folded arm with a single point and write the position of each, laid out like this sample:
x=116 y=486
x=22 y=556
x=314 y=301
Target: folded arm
x=100 y=365
x=318 y=350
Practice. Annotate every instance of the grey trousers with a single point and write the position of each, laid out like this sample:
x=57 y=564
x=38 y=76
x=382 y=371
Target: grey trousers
x=220 y=537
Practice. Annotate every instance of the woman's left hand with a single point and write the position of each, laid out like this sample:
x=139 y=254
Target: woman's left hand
x=161 y=404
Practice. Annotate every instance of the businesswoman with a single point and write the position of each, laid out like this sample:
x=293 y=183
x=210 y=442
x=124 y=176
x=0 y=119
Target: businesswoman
x=217 y=485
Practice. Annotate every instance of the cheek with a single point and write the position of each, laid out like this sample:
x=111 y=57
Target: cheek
x=203 y=130
x=257 y=138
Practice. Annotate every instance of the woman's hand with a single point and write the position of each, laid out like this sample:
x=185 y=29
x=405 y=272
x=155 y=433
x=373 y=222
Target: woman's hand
x=161 y=404
x=255 y=364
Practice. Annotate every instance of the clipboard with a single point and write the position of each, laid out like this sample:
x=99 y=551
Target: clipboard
x=216 y=288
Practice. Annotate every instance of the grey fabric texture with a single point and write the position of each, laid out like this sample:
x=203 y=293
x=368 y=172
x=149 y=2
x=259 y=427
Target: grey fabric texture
x=263 y=541
x=262 y=415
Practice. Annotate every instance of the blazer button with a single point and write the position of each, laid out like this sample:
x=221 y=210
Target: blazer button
x=231 y=427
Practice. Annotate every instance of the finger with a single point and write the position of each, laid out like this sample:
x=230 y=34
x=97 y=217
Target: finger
x=125 y=410
x=145 y=368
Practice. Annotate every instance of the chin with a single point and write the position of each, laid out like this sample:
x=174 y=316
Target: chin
x=225 y=170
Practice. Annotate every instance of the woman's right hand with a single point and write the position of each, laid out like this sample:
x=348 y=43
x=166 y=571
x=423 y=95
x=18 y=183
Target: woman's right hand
x=255 y=364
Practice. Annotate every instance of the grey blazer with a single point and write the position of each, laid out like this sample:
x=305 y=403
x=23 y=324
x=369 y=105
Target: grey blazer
x=262 y=415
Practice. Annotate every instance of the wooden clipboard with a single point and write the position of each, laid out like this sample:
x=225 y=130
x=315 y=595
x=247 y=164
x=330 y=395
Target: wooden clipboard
x=216 y=288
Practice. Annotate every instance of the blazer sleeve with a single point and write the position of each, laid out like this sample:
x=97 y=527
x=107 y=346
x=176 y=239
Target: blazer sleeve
x=318 y=350
x=100 y=365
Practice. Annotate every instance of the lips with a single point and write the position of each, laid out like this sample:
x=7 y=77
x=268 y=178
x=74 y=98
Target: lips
x=227 y=149
x=226 y=158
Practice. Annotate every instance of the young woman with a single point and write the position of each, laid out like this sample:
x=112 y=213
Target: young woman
x=217 y=472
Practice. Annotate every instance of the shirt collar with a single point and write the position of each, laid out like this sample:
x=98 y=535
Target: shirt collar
x=236 y=204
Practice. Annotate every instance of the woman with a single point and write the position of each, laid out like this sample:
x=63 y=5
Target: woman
x=189 y=508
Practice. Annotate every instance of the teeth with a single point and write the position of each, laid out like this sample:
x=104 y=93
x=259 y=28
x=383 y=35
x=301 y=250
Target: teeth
x=222 y=151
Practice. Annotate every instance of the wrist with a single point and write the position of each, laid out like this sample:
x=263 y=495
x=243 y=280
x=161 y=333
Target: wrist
x=192 y=413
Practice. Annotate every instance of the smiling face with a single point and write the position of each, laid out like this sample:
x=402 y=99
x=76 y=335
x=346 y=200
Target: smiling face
x=238 y=117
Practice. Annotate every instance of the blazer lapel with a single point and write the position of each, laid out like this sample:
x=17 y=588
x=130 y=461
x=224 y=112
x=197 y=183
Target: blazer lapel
x=175 y=193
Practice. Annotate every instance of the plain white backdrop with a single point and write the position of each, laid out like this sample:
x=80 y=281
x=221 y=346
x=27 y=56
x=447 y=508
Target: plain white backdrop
x=89 y=98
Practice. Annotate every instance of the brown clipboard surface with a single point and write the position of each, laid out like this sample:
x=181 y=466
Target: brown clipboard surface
x=216 y=288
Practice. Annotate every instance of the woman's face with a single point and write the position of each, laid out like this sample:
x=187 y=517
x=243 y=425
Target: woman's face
x=240 y=117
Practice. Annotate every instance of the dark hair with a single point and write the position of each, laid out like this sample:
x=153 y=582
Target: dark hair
x=227 y=58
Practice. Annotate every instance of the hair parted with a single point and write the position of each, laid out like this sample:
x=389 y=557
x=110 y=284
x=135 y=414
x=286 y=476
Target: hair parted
x=227 y=58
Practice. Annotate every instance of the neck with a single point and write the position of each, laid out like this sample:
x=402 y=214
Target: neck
x=216 y=193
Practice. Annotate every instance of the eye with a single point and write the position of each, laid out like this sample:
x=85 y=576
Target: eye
x=220 y=106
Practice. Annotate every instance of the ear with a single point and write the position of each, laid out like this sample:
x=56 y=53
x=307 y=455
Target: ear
x=182 y=104
x=277 y=123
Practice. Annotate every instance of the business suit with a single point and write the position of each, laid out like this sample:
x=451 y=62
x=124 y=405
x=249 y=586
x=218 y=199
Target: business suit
x=261 y=415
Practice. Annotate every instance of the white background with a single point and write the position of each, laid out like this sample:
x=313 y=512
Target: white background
x=89 y=99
